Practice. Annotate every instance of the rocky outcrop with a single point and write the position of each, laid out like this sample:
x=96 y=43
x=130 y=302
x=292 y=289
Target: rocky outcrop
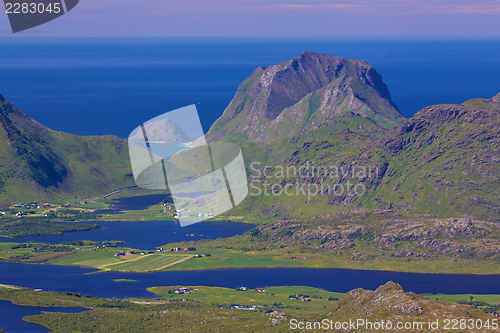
x=390 y=236
x=391 y=303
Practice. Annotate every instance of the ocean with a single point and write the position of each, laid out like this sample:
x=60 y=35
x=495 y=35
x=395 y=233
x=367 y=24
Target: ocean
x=96 y=86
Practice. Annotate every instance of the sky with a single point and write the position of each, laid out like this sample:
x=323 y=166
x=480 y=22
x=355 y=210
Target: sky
x=294 y=18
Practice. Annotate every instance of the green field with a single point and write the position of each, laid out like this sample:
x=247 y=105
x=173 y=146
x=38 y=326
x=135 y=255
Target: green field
x=273 y=297
x=221 y=258
x=152 y=262
x=6 y=250
x=124 y=316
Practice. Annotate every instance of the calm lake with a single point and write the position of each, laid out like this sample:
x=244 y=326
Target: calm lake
x=75 y=279
x=11 y=317
x=145 y=235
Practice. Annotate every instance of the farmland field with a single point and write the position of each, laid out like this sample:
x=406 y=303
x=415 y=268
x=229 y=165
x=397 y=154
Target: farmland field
x=148 y=263
x=272 y=297
x=105 y=260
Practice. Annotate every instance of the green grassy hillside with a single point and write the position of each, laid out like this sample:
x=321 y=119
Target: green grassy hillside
x=41 y=164
x=443 y=161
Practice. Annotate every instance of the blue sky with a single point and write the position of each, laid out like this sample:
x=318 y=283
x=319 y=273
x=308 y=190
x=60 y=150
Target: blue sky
x=273 y=18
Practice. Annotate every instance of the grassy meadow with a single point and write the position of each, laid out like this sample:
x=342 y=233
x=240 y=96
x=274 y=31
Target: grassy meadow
x=272 y=297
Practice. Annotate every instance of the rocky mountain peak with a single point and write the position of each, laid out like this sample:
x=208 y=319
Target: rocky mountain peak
x=305 y=92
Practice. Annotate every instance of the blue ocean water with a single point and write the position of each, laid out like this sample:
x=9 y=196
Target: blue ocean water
x=98 y=86
x=11 y=317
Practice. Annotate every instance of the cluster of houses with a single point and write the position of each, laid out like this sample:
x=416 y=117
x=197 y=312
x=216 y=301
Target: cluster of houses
x=106 y=245
x=302 y=298
x=183 y=290
x=177 y=249
x=166 y=207
x=32 y=206
x=206 y=215
x=178 y=213
x=27 y=206
x=242 y=307
x=121 y=253
x=260 y=290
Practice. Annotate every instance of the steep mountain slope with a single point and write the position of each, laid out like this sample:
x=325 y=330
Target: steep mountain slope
x=312 y=94
x=443 y=161
x=38 y=163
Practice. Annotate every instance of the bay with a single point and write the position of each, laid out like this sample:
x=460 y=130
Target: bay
x=145 y=235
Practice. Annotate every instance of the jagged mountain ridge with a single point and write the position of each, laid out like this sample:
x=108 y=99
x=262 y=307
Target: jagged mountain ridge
x=312 y=93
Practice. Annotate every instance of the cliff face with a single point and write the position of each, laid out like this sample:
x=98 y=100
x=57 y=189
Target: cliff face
x=312 y=93
x=29 y=142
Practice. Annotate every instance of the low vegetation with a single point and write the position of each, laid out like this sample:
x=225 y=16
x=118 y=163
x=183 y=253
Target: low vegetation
x=290 y=299
x=34 y=227
x=277 y=309
x=360 y=239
